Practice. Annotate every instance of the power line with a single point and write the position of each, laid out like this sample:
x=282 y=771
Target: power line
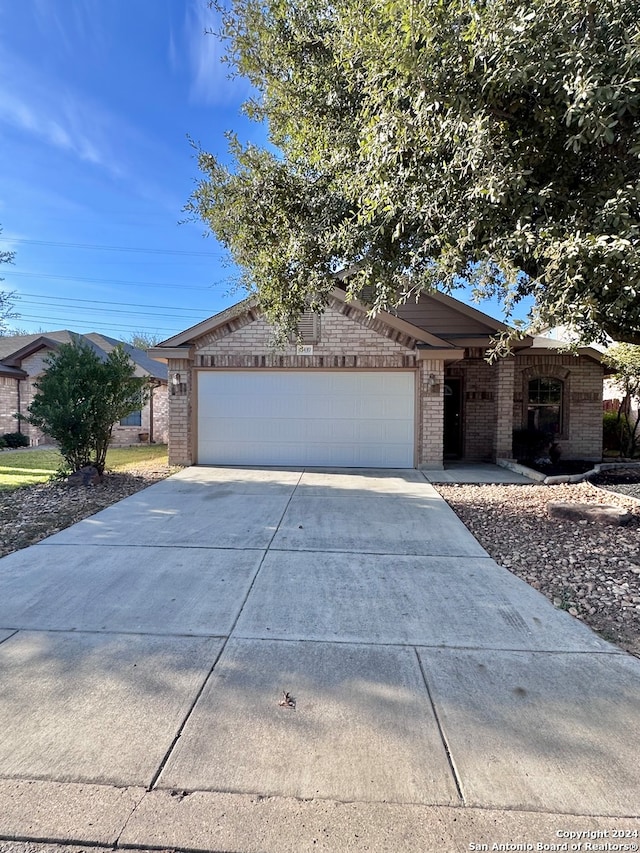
x=10 y=273
x=103 y=302
x=97 y=324
x=75 y=308
x=53 y=243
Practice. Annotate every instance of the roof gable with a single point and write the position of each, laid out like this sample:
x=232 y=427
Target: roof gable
x=233 y=318
x=448 y=318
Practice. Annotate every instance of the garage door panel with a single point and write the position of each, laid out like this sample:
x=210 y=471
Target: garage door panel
x=301 y=418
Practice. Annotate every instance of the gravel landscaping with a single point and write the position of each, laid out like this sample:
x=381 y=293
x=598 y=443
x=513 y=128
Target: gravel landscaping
x=588 y=569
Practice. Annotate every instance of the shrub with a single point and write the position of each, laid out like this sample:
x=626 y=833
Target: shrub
x=81 y=396
x=15 y=439
x=616 y=432
x=529 y=444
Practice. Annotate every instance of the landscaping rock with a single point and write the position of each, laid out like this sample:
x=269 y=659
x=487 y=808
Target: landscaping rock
x=577 y=565
x=86 y=476
x=600 y=513
x=29 y=514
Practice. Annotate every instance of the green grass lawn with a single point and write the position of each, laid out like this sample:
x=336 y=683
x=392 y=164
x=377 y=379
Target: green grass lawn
x=25 y=467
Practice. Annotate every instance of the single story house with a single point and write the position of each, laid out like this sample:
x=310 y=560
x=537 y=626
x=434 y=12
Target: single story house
x=22 y=362
x=402 y=390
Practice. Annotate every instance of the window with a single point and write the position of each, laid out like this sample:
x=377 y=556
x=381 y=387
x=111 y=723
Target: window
x=133 y=419
x=544 y=405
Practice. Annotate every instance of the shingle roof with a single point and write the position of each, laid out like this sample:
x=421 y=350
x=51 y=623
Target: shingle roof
x=101 y=344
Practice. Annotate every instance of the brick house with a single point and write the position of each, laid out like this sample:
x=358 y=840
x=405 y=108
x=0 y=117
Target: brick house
x=22 y=362
x=404 y=390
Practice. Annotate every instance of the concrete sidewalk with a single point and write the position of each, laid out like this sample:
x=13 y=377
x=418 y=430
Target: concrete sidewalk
x=272 y=660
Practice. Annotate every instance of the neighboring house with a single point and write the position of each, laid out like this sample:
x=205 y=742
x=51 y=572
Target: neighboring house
x=22 y=362
x=406 y=390
x=613 y=398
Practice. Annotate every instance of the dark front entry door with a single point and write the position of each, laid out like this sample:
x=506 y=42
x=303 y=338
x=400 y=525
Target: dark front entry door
x=452 y=418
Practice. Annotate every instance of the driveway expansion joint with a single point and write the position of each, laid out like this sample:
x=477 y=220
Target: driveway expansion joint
x=178 y=734
x=443 y=737
x=171 y=748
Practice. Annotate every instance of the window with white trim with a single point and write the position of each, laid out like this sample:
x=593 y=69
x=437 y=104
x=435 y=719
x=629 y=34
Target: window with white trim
x=544 y=405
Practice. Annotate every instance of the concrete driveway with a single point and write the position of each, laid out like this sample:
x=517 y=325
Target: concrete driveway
x=243 y=659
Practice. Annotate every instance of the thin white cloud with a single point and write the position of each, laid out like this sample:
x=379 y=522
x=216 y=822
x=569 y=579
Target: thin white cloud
x=8 y=243
x=71 y=124
x=57 y=114
x=80 y=21
x=173 y=51
x=210 y=81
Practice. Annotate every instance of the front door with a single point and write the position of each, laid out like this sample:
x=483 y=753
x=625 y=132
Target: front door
x=452 y=418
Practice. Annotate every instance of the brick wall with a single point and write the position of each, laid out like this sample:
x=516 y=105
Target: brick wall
x=492 y=395
x=34 y=366
x=161 y=414
x=126 y=435
x=490 y=410
x=430 y=414
x=479 y=403
x=348 y=339
x=180 y=408
x=582 y=400
x=503 y=423
x=8 y=404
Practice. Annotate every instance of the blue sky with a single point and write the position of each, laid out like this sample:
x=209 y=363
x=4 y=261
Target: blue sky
x=98 y=100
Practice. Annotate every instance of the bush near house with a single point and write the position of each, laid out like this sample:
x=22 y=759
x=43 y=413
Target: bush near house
x=14 y=440
x=81 y=396
x=529 y=444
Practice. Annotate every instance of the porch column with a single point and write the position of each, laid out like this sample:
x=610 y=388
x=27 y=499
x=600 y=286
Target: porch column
x=503 y=397
x=431 y=415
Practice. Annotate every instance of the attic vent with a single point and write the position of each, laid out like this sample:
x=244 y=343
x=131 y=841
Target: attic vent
x=308 y=328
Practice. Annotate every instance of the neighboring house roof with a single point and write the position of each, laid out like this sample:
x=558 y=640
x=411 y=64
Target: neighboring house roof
x=15 y=348
x=12 y=372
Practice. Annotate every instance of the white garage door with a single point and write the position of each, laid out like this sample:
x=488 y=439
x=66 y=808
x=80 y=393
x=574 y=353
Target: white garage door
x=324 y=418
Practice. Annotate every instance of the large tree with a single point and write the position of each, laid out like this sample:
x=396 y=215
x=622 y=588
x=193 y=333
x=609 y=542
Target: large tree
x=425 y=142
